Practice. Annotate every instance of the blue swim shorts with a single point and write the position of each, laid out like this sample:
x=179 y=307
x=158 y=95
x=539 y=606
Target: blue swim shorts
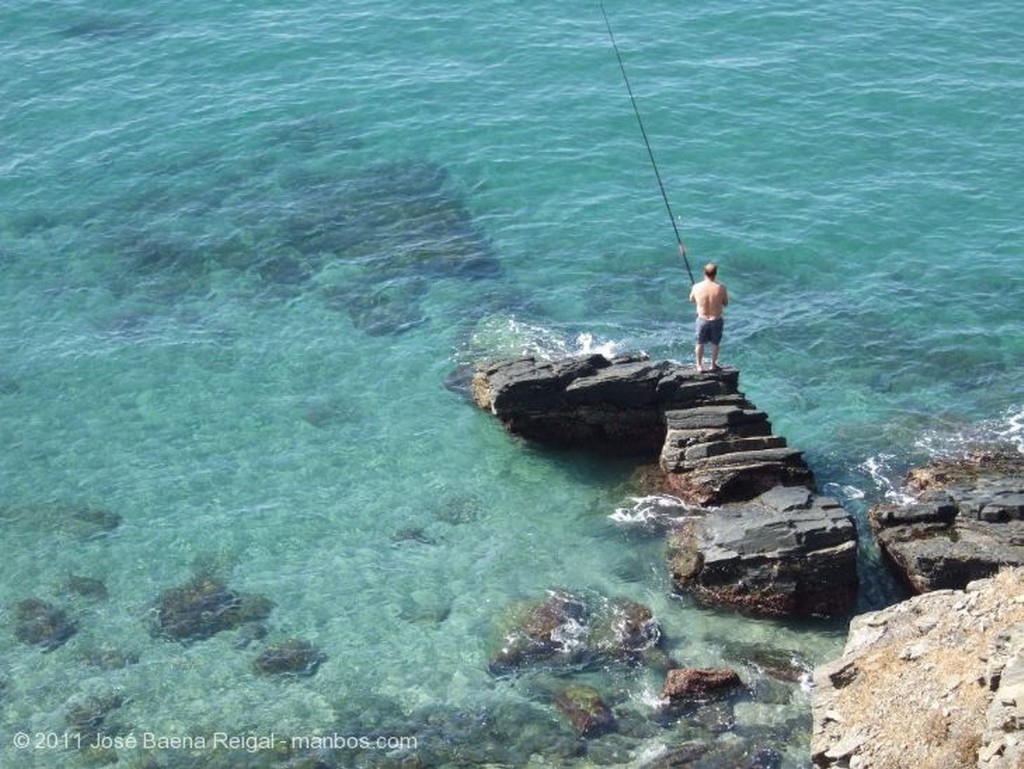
x=709 y=331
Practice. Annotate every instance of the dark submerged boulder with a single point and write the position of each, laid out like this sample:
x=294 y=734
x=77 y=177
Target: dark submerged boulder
x=583 y=707
x=87 y=587
x=542 y=630
x=86 y=715
x=685 y=684
x=108 y=659
x=294 y=657
x=95 y=521
x=40 y=623
x=569 y=631
x=203 y=607
x=624 y=630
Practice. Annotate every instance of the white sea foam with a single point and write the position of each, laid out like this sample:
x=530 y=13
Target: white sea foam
x=648 y=697
x=1007 y=428
x=651 y=509
x=509 y=336
x=585 y=345
x=881 y=469
x=570 y=636
x=843 y=491
x=1011 y=427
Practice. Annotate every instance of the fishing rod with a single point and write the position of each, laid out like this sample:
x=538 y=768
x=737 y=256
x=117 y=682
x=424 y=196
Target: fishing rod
x=647 y=143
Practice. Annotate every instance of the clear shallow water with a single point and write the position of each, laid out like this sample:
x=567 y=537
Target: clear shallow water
x=241 y=248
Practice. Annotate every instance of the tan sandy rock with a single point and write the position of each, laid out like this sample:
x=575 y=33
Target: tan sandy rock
x=935 y=682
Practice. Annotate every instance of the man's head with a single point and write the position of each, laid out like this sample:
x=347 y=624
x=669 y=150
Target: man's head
x=710 y=270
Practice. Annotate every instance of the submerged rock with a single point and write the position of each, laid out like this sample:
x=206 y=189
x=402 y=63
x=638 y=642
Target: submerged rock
x=458 y=509
x=96 y=520
x=624 y=630
x=203 y=607
x=684 y=684
x=380 y=309
x=415 y=534
x=566 y=630
x=325 y=414
x=86 y=715
x=109 y=659
x=42 y=624
x=249 y=632
x=583 y=707
x=430 y=610
x=87 y=587
x=544 y=630
x=293 y=657
x=780 y=664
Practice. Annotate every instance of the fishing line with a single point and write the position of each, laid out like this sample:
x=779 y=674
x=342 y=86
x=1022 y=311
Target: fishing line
x=647 y=143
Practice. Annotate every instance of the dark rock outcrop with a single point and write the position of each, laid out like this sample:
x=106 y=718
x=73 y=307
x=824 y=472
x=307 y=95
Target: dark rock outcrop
x=720 y=453
x=788 y=553
x=712 y=444
x=773 y=549
x=613 y=405
x=966 y=521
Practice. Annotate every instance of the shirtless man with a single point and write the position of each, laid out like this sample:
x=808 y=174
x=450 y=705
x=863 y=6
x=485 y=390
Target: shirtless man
x=710 y=297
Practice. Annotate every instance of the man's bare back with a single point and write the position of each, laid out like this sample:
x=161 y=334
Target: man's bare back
x=710 y=297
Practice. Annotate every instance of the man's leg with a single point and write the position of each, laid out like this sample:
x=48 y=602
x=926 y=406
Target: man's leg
x=715 y=338
x=698 y=354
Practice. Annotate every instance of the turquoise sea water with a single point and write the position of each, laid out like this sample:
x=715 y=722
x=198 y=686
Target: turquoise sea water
x=243 y=245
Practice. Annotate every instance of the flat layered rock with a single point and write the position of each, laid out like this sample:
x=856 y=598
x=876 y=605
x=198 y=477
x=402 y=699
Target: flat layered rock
x=712 y=445
x=787 y=553
x=966 y=522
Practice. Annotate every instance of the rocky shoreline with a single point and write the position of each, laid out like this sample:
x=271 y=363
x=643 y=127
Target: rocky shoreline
x=937 y=681
x=958 y=645
x=747 y=531
x=750 y=532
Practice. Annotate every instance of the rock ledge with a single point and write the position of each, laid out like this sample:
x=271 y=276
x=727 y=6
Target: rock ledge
x=772 y=548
